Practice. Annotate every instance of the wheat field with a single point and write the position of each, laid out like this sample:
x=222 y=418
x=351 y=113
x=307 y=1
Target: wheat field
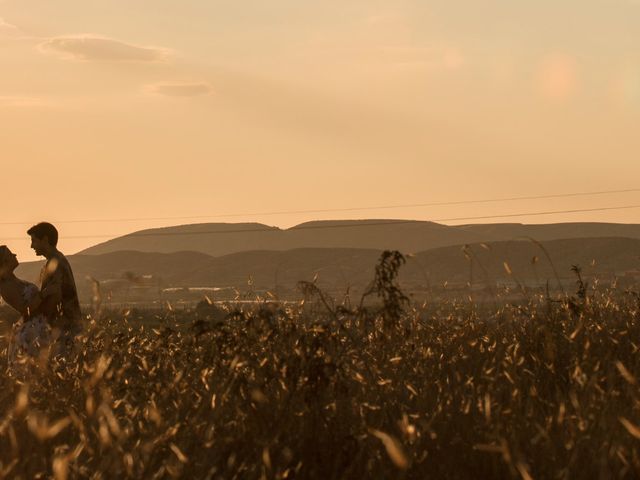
x=543 y=388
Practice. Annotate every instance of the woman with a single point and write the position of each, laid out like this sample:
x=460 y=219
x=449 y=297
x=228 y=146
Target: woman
x=32 y=332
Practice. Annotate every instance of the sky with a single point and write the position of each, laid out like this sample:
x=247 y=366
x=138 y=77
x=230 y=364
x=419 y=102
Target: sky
x=116 y=113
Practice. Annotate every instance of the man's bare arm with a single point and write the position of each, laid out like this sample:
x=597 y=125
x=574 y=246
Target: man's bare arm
x=51 y=295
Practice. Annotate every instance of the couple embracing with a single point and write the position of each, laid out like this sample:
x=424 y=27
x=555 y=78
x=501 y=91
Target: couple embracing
x=50 y=314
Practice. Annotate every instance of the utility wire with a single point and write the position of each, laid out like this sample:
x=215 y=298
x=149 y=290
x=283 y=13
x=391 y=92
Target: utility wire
x=146 y=233
x=348 y=209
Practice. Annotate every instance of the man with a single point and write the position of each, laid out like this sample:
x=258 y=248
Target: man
x=57 y=288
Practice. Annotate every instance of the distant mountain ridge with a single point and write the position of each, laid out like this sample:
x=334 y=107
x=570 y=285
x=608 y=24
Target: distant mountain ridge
x=345 y=268
x=218 y=239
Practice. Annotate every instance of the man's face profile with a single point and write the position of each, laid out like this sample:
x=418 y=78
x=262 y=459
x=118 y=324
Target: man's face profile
x=39 y=245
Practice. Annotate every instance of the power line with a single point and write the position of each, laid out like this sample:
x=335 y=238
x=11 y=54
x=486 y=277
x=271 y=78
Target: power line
x=357 y=225
x=347 y=209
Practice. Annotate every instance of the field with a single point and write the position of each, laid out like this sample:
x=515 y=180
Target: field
x=545 y=387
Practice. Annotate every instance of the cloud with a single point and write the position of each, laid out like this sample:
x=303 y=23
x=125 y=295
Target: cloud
x=7 y=28
x=387 y=41
x=177 y=89
x=97 y=48
x=12 y=101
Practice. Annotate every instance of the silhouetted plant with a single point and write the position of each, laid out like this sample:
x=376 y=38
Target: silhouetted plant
x=310 y=289
x=385 y=287
x=577 y=302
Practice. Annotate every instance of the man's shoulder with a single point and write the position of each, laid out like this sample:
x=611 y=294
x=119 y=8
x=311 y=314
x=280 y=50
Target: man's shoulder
x=59 y=257
x=58 y=254
x=57 y=262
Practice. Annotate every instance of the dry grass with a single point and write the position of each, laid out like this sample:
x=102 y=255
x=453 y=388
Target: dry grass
x=452 y=390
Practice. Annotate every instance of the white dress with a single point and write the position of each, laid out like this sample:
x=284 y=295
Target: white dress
x=28 y=337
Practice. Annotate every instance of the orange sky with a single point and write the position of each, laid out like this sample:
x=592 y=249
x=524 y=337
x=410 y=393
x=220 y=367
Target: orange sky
x=112 y=109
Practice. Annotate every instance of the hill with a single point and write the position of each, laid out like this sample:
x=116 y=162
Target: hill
x=338 y=269
x=218 y=239
x=528 y=262
x=552 y=231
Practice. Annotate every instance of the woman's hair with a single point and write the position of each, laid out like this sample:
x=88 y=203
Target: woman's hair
x=4 y=250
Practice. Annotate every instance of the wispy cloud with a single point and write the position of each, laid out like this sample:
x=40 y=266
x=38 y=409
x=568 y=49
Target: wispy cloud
x=89 y=47
x=7 y=28
x=385 y=41
x=180 y=89
x=13 y=101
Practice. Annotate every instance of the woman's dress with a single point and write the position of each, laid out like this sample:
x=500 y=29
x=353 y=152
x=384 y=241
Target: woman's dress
x=28 y=336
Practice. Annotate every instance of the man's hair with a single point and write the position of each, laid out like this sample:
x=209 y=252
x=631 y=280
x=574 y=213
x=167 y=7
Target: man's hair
x=45 y=229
